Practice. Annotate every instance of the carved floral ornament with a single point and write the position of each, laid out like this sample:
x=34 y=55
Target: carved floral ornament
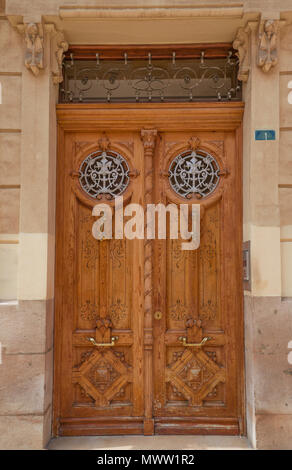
x=34 y=40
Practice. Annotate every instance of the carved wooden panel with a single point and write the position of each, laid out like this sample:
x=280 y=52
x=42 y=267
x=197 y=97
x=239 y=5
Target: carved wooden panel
x=103 y=376
x=103 y=298
x=192 y=289
x=99 y=280
x=193 y=376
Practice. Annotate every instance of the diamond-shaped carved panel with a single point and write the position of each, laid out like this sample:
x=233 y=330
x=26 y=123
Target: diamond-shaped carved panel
x=194 y=375
x=103 y=375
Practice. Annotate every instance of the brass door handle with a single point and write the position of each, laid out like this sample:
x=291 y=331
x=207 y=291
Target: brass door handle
x=194 y=345
x=113 y=338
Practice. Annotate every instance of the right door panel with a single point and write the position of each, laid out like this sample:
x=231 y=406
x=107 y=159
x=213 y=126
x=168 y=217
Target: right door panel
x=198 y=388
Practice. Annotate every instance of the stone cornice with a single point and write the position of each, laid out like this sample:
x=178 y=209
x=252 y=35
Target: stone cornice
x=234 y=10
x=146 y=8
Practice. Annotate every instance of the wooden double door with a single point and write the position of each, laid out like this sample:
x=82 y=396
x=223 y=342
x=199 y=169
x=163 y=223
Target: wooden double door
x=148 y=337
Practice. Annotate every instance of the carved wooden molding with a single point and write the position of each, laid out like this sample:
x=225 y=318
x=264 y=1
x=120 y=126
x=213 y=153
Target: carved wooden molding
x=148 y=137
x=104 y=142
x=267 y=44
x=194 y=143
x=172 y=116
x=242 y=44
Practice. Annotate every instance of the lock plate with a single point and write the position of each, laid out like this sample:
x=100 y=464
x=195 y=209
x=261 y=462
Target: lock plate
x=158 y=315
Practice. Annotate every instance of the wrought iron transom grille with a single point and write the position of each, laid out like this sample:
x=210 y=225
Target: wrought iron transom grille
x=194 y=173
x=150 y=77
x=104 y=173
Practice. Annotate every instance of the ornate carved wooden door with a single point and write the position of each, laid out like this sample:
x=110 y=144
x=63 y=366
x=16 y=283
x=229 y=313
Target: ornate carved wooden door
x=148 y=336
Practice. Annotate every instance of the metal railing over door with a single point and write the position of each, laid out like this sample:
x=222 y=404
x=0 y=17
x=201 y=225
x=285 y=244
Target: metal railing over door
x=186 y=73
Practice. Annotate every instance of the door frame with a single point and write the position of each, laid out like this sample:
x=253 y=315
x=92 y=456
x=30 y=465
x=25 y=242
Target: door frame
x=192 y=117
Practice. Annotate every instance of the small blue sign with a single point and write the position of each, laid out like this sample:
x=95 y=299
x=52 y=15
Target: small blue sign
x=265 y=135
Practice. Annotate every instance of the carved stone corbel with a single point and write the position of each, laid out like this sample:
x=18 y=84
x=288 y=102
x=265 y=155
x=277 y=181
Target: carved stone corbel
x=267 y=44
x=242 y=45
x=62 y=46
x=34 y=40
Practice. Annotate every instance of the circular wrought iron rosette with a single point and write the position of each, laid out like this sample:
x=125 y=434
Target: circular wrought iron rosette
x=216 y=78
x=112 y=80
x=85 y=78
x=187 y=78
x=104 y=173
x=194 y=172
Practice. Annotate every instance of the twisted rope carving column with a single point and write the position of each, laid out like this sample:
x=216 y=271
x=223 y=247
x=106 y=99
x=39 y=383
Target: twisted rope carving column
x=148 y=137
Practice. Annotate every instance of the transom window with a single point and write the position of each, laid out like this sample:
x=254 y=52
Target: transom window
x=158 y=74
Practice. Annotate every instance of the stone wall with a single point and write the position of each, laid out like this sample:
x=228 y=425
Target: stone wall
x=10 y=145
x=27 y=221
x=267 y=223
x=285 y=159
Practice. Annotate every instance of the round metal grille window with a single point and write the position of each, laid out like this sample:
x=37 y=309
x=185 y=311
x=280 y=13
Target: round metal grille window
x=194 y=173
x=104 y=173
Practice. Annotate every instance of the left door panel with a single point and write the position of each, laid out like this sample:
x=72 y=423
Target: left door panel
x=99 y=290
